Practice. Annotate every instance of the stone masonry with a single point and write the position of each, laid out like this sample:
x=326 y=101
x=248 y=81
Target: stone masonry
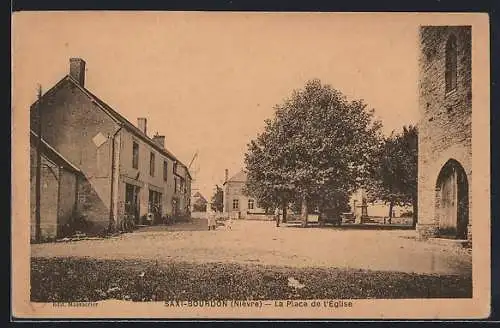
x=445 y=119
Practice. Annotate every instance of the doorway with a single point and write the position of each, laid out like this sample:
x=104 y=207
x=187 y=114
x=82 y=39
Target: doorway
x=175 y=207
x=155 y=205
x=452 y=201
x=132 y=206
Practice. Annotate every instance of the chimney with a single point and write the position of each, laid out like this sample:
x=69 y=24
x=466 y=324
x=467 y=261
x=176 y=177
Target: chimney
x=160 y=140
x=77 y=70
x=142 y=124
x=226 y=176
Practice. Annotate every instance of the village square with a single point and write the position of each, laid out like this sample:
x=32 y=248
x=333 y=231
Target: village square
x=323 y=203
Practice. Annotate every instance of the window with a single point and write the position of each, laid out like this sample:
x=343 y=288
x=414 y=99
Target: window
x=165 y=170
x=135 y=155
x=236 y=204
x=152 y=164
x=175 y=184
x=250 y=204
x=451 y=64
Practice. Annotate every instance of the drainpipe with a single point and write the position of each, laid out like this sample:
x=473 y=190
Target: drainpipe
x=111 y=206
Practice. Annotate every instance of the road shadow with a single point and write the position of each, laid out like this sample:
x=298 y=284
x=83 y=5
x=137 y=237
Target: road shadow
x=352 y=226
x=188 y=225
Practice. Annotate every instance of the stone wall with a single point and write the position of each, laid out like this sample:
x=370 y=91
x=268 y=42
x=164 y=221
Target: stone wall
x=80 y=131
x=235 y=190
x=49 y=197
x=445 y=117
x=57 y=197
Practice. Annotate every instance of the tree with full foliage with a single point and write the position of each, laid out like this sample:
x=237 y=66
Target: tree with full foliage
x=316 y=150
x=199 y=205
x=217 y=200
x=395 y=175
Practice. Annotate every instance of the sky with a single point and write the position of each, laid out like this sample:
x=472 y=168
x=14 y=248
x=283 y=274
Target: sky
x=208 y=81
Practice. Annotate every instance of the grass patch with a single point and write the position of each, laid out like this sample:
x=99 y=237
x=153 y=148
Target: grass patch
x=83 y=279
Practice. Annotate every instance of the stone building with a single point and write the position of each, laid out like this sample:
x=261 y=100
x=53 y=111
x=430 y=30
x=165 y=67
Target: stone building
x=59 y=181
x=181 y=200
x=198 y=202
x=125 y=172
x=236 y=203
x=445 y=133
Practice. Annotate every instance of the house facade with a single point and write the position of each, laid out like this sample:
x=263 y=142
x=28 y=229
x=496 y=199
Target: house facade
x=445 y=132
x=125 y=172
x=181 y=205
x=59 y=181
x=236 y=204
x=198 y=203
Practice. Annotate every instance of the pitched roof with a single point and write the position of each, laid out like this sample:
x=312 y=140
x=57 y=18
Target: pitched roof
x=118 y=118
x=200 y=196
x=53 y=154
x=241 y=176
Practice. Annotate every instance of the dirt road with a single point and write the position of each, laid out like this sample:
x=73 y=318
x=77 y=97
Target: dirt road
x=264 y=243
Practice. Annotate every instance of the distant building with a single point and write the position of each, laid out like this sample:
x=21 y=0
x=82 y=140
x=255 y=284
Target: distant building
x=236 y=203
x=59 y=184
x=125 y=172
x=361 y=207
x=181 y=200
x=198 y=203
x=445 y=133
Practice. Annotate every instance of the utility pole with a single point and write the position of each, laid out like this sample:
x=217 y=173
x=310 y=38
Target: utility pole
x=194 y=173
x=38 y=231
x=192 y=160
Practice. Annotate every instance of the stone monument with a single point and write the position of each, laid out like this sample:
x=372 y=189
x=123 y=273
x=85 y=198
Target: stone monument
x=360 y=206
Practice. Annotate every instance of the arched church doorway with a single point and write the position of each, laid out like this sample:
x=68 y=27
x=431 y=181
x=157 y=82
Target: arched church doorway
x=452 y=201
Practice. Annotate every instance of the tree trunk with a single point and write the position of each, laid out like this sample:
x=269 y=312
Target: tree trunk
x=304 y=211
x=391 y=205
x=415 y=211
x=285 y=205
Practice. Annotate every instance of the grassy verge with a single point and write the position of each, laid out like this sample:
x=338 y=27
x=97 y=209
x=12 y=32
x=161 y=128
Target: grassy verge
x=80 y=279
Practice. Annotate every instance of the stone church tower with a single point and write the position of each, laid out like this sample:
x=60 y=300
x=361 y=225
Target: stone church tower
x=445 y=133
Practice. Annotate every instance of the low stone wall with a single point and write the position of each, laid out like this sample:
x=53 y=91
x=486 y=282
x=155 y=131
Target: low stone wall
x=395 y=220
x=259 y=217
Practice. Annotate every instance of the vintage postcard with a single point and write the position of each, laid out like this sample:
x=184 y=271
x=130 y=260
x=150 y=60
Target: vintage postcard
x=250 y=165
